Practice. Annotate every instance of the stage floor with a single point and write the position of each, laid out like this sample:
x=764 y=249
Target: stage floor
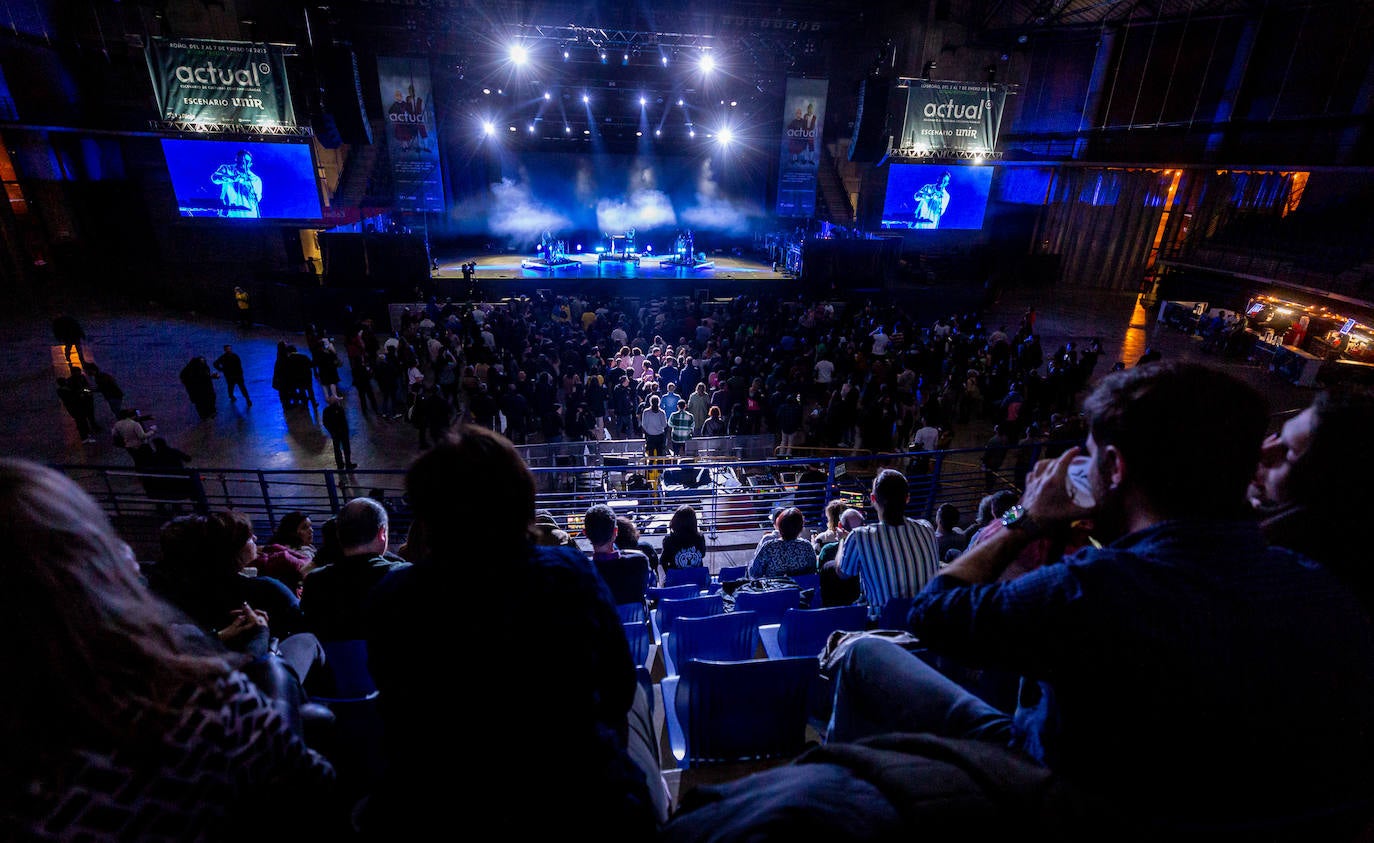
x=511 y=265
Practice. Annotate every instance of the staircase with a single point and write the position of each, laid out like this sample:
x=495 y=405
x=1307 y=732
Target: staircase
x=833 y=197
x=358 y=172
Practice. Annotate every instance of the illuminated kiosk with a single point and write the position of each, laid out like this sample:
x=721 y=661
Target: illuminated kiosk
x=553 y=254
x=622 y=249
x=685 y=254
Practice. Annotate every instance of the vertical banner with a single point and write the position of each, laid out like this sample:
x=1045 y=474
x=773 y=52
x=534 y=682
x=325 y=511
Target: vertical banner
x=945 y=117
x=803 y=115
x=412 y=137
x=232 y=83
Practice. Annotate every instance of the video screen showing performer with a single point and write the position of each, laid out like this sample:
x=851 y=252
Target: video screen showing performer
x=936 y=197
x=240 y=189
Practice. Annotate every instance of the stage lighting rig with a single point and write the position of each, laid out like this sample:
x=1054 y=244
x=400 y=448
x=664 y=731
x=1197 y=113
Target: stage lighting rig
x=519 y=55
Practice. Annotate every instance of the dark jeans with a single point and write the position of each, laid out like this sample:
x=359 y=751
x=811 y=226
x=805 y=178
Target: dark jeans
x=242 y=387
x=880 y=687
x=343 y=452
x=654 y=444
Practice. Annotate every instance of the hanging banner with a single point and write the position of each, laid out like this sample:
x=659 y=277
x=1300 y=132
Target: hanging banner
x=226 y=83
x=412 y=137
x=951 y=119
x=803 y=116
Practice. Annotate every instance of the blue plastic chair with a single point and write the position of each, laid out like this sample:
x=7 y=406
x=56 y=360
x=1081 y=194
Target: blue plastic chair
x=730 y=573
x=689 y=607
x=638 y=635
x=697 y=575
x=347 y=663
x=677 y=592
x=632 y=612
x=893 y=614
x=804 y=632
x=724 y=712
x=768 y=604
x=731 y=637
x=811 y=581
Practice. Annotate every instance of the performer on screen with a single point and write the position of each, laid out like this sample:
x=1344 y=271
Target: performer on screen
x=931 y=202
x=240 y=189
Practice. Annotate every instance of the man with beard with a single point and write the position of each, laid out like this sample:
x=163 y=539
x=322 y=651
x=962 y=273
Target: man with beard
x=1158 y=666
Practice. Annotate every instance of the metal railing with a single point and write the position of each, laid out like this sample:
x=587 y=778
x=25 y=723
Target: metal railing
x=734 y=498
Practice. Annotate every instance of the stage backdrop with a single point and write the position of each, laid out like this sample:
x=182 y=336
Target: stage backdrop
x=803 y=116
x=951 y=116
x=412 y=137
x=235 y=83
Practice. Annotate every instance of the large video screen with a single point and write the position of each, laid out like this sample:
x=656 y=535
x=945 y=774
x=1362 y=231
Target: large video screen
x=586 y=197
x=243 y=179
x=933 y=196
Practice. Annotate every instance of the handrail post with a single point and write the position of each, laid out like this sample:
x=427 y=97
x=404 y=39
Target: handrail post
x=333 y=490
x=266 y=498
x=829 y=482
x=109 y=489
x=202 y=500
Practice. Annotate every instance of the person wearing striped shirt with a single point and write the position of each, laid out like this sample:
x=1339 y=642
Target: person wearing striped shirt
x=680 y=426
x=895 y=557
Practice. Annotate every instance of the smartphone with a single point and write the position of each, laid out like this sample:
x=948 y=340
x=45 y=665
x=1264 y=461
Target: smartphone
x=1079 y=484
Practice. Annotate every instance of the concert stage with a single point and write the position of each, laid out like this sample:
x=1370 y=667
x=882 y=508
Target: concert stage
x=513 y=266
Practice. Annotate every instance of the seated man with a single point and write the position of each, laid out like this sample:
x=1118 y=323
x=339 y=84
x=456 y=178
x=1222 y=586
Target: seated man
x=1296 y=489
x=1193 y=680
x=895 y=557
x=333 y=597
x=506 y=660
x=626 y=572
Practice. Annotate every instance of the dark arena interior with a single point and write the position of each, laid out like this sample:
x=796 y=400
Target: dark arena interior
x=684 y=421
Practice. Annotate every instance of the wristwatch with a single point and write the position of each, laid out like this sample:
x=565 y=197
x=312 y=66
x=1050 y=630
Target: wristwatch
x=1018 y=518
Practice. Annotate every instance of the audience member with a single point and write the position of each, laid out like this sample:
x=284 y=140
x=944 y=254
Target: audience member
x=625 y=572
x=116 y=725
x=335 y=595
x=608 y=775
x=1154 y=661
x=787 y=554
x=683 y=546
x=894 y=558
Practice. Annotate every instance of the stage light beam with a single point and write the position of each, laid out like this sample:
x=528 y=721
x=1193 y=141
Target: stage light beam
x=708 y=63
x=725 y=136
x=519 y=55
x=488 y=128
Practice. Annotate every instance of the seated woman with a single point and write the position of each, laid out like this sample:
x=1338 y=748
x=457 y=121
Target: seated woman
x=289 y=555
x=684 y=546
x=789 y=553
x=114 y=727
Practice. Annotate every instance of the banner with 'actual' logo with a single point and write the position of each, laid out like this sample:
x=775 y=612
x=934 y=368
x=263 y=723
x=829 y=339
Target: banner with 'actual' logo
x=951 y=117
x=223 y=83
x=412 y=137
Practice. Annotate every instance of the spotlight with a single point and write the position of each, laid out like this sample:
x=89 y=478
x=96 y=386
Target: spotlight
x=625 y=59
x=547 y=97
x=679 y=102
x=692 y=133
x=566 y=55
x=519 y=55
x=639 y=134
x=733 y=103
x=567 y=130
x=665 y=61
x=531 y=127
x=586 y=131
x=658 y=133
x=488 y=128
x=586 y=99
x=487 y=91
x=512 y=128
x=708 y=63
x=603 y=56
x=643 y=101
x=725 y=136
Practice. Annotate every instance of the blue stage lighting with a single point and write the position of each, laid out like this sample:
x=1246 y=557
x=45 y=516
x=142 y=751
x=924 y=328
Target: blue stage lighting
x=488 y=128
x=707 y=63
x=519 y=55
x=725 y=136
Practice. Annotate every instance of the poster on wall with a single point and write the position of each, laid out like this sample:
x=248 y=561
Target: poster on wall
x=226 y=83
x=803 y=117
x=412 y=137
x=951 y=116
